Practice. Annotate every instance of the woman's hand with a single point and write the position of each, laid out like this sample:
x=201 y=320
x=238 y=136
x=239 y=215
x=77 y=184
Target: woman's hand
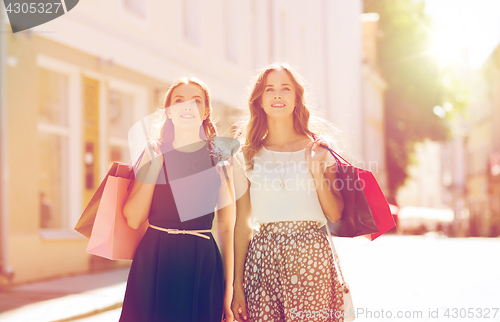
x=330 y=198
x=156 y=157
x=239 y=305
x=228 y=314
x=138 y=203
x=316 y=157
x=150 y=166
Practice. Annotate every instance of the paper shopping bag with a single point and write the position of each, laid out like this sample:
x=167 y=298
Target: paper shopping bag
x=366 y=211
x=86 y=221
x=378 y=204
x=111 y=236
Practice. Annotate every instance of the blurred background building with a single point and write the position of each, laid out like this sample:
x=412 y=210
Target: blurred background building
x=463 y=172
x=76 y=84
x=372 y=95
x=483 y=152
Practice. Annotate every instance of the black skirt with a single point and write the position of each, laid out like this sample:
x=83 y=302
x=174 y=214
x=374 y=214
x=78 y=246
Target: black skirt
x=177 y=277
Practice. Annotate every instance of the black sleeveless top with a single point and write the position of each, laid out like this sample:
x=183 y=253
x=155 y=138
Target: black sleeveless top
x=186 y=192
x=177 y=277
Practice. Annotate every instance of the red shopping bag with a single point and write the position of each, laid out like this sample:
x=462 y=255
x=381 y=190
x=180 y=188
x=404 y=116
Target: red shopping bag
x=366 y=211
x=378 y=204
x=111 y=236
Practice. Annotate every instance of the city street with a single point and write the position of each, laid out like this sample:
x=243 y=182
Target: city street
x=109 y=316
x=419 y=278
x=407 y=274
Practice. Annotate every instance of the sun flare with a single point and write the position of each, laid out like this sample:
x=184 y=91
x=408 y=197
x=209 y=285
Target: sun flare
x=448 y=47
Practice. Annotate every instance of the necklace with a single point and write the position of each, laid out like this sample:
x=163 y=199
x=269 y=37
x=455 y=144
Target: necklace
x=282 y=185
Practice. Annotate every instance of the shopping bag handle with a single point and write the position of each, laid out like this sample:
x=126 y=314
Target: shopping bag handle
x=148 y=146
x=134 y=167
x=335 y=255
x=334 y=154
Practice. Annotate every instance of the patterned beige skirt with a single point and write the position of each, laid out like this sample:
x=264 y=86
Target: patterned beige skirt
x=290 y=274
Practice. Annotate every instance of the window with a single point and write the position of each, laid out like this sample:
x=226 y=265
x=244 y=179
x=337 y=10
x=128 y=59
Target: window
x=126 y=104
x=271 y=31
x=58 y=148
x=303 y=46
x=136 y=12
x=283 y=24
x=136 y=7
x=120 y=111
x=53 y=136
x=231 y=30
x=260 y=33
x=192 y=20
x=255 y=33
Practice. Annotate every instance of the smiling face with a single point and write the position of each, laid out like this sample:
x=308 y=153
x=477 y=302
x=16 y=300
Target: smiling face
x=187 y=106
x=279 y=94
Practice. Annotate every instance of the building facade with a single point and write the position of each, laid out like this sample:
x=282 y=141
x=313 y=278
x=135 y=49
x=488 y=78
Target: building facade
x=373 y=92
x=483 y=150
x=453 y=170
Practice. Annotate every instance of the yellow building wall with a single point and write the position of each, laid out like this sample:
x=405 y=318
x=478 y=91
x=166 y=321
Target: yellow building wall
x=31 y=256
x=90 y=116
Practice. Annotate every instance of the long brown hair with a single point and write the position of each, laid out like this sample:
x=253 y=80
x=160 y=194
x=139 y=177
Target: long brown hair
x=255 y=129
x=165 y=132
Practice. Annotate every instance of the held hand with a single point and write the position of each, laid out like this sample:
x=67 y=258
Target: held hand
x=239 y=305
x=225 y=170
x=316 y=157
x=228 y=314
x=150 y=165
x=156 y=158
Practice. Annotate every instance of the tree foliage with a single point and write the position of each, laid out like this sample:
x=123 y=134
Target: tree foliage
x=415 y=82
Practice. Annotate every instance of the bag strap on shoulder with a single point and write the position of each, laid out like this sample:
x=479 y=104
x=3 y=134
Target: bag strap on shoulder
x=334 y=154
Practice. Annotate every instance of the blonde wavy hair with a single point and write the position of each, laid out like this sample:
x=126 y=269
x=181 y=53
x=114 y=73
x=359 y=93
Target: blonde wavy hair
x=254 y=128
x=163 y=128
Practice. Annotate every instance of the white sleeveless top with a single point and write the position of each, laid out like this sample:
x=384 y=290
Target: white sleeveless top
x=298 y=201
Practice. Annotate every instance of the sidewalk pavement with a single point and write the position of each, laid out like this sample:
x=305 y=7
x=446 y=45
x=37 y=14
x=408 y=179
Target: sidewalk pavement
x=64 y=299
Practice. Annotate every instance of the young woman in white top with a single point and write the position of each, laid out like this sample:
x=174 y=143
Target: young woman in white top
x=286 y=271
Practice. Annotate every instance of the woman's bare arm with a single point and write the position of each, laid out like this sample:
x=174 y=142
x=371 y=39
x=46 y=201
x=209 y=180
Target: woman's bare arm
x=329 y=196
x=136 y=208
x=225 y=229
x=242 y=237
x=325 y=179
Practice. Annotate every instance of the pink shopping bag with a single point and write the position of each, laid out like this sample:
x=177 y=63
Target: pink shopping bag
x=111 y=236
